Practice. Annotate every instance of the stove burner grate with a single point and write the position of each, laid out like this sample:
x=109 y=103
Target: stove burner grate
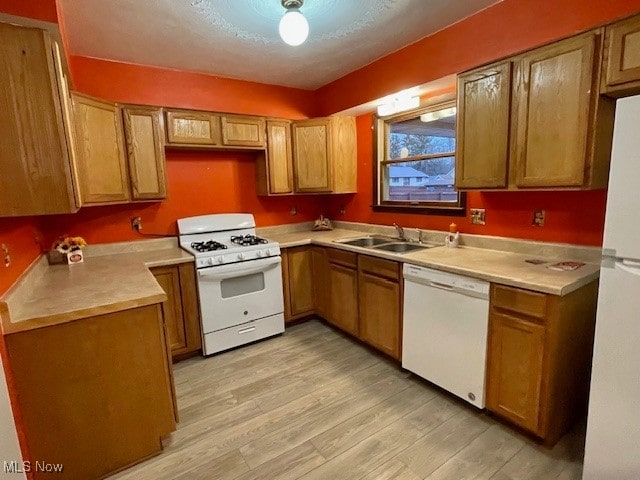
x=208 y=246
x=247 y=240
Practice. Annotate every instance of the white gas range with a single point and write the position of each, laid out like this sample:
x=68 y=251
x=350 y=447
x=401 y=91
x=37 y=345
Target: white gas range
x=239 y=280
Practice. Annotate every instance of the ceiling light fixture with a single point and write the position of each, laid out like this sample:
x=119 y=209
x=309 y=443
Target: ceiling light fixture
x=438 y=114
x=294 y=28
x=399 y=102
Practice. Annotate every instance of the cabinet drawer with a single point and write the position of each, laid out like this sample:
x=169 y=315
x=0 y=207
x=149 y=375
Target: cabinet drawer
x=341 y=257
x=379 y=267
x=517 y=300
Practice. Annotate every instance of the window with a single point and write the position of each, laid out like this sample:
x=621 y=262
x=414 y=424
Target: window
x=415 y=168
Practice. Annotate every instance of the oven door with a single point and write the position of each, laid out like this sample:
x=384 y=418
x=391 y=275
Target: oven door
x=240 y=292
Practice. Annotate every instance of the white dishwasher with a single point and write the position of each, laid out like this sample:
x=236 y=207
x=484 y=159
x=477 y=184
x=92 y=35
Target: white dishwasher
x=446 y=319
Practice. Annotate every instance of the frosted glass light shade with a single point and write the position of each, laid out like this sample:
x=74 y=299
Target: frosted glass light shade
x=294 y=28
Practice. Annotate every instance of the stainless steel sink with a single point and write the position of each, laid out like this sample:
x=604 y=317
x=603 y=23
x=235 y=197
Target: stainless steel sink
x=402 y=247
x=367 y=242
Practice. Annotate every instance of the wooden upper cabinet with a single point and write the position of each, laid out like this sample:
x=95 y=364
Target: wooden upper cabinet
x=536 y=120
x=193 y=128
x=243 y=131
x=324 y=155
x=554 y=107
x=622 y=59
x=274 y=170
x=311 y=156
x=102 y=165
x=144 y=134
x=484 y=101
x=36 y=172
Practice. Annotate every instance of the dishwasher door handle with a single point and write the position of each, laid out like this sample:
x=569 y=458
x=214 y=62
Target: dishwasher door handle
x=441 y=286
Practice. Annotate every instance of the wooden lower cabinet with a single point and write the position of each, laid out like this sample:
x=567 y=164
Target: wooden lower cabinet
x=320 y=262
x=343 y=298
x=380 y=304
x=95 y=394
x=180 y=311
x=297 y=272
x=539 y=357
x=359 y=294
x=517 y=349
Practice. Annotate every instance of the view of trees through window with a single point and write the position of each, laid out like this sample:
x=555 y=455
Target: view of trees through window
x=417 y=145
x=420 y=158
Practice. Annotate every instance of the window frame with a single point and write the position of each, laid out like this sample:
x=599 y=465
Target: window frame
x=381 y=130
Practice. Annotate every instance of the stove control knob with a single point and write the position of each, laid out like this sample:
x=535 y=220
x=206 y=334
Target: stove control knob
x=210 y=261
x=220 y=259
x=259 y=253
x=241 y=256
x=267 y=252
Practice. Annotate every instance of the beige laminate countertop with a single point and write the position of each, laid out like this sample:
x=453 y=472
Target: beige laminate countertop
x=101 y=284
x=492 y=265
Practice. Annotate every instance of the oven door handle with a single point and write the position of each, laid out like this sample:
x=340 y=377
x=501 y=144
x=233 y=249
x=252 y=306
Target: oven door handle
x=231 y=271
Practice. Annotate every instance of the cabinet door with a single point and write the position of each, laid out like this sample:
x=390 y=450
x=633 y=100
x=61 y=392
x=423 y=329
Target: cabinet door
x=343 y=298
x=380 y=307
x=300 y=280
x=344 y=162
x=515 y=369
x=623 y=54
x=484 y=105
x=192 y=128
x=553 y=108
x=311 y=150
x=190 y=307
x=169 y=280
x=35 y=168
x=242 y=131
x=320 y=281
x=279 y=157
x=144 y=134
x=102 y=169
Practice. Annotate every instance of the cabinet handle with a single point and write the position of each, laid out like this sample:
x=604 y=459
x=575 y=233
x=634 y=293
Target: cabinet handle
x=246 y=330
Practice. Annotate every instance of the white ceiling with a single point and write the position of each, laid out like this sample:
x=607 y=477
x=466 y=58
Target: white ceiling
x=239 y=38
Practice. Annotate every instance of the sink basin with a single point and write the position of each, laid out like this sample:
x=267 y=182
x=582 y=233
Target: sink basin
x=402 y=247
x=366 y=241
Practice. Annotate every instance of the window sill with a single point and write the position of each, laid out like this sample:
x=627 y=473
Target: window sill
x=422 y=209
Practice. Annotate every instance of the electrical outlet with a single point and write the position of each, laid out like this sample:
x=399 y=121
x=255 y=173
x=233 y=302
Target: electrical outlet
x=477 y=216
x=136 y=223
x=294 y=210
x=5 y=255
x=538 y=217
x=343 y=209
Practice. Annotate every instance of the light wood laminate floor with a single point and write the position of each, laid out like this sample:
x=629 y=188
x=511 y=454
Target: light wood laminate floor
x=313 y=404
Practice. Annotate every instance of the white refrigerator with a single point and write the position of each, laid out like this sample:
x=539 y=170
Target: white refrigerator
x=612 y=449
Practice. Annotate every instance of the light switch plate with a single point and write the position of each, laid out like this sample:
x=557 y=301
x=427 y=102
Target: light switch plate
x=477 y=216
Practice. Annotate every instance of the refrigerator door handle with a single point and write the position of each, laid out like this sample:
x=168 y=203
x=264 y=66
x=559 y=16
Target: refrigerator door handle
x=630 y=267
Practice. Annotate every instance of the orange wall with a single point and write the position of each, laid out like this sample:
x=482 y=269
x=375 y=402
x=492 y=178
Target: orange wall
x=130 y=83
x=503 y=29
x=44 y=10
x=199 y=183
x=571 y=217
x=19 y=235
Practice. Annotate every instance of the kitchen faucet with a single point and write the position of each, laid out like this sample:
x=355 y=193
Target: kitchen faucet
x=400 y=231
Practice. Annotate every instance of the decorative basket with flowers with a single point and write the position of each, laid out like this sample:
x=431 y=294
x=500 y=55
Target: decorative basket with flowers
x=67 y=249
